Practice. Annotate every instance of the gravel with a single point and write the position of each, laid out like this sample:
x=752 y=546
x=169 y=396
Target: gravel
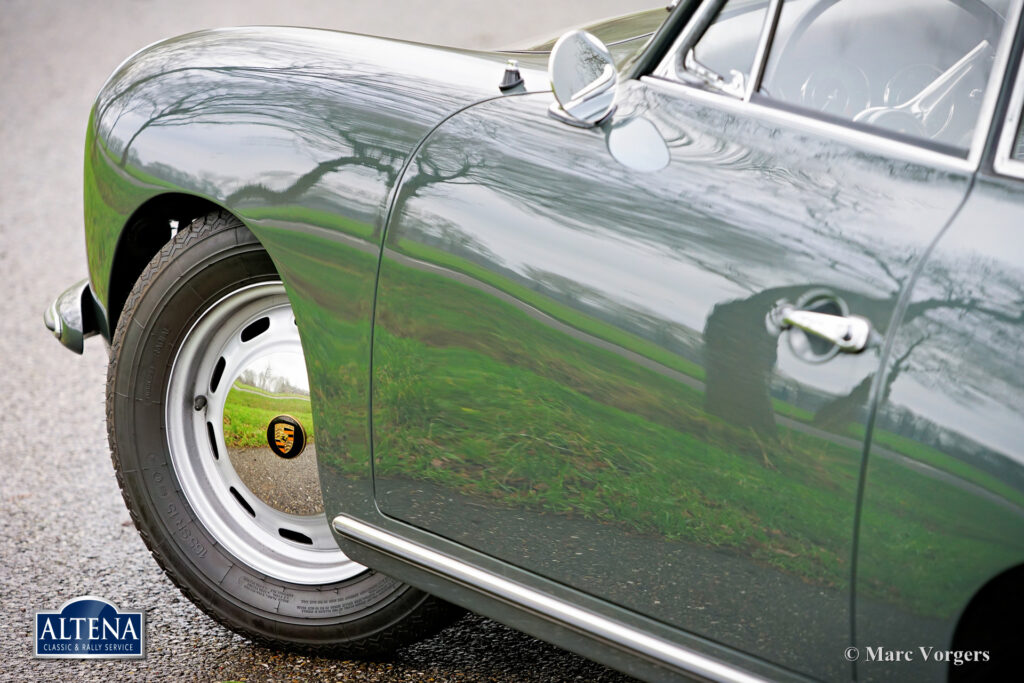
x=66 y=532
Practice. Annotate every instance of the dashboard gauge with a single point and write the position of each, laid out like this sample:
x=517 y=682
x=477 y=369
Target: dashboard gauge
x=908 y=82
x=839 y=88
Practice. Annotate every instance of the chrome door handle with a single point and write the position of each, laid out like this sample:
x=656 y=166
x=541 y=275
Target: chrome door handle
x=850 y=333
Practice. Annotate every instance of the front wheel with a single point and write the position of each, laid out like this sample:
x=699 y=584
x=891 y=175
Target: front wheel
x=211 y=435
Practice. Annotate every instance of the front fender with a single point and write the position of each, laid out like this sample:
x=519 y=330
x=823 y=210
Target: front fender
x=300 y=133
x=277 y=125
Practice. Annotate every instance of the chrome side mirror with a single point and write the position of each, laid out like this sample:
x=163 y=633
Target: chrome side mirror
x=583 y=78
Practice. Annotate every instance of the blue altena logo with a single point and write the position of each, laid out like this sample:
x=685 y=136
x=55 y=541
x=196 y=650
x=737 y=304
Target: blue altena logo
x=90 y=627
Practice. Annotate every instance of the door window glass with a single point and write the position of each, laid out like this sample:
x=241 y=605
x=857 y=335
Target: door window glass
x=917 y=67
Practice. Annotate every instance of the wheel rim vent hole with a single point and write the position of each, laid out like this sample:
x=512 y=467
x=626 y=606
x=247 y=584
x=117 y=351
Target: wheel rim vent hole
x=218 y=371
x=213 y=440
x=255 y=329
x=295 y=536
x=243 y=502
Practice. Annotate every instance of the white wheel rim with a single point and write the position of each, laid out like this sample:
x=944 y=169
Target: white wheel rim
x=258 y=534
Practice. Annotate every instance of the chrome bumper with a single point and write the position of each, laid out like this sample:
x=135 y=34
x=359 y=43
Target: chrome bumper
x=71 y=317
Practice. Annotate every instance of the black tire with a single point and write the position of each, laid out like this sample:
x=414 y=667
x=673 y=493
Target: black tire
x=991 y=630
x=366 y=614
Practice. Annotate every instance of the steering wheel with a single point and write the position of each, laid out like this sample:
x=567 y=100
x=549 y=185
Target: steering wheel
x=933 y=112
x=941 y=108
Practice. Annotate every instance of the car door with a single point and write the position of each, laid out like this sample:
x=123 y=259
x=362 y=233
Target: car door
x=580 y=364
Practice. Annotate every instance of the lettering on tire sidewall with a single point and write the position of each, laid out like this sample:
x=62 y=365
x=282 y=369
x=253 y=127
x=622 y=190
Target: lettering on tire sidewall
x=248 y=587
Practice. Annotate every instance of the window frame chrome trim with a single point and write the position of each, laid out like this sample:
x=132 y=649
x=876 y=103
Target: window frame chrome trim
x=567 y=614
x=986 y=115
x=694 y=29
x=1003 y=163
x=764 y=45
x=666 y=74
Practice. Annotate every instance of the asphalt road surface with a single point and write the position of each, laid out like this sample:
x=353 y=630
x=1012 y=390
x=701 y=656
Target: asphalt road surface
x=64 y=531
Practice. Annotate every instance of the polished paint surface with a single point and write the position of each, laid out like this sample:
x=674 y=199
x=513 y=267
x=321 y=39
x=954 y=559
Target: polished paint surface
x=949 y=429
x=255 y=118
x=572 y=370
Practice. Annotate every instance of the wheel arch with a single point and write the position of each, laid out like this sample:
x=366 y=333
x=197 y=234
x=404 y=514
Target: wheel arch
x=145 y=232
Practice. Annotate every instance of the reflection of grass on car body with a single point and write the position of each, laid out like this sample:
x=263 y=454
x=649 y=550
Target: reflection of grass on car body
x=561 y=312
x=475 y=395
x=249 y=410
x=650 y=350
x=941 y=461
x=463 y=420
x=330 y=285
x=302 y=215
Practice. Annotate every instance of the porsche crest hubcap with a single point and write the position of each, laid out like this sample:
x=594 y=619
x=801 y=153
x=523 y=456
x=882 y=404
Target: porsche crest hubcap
x=286 y=436
x=239 y=384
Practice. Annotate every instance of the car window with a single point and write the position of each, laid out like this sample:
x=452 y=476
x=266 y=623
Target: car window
x=723 y=57
x=1017 y=149
x=917 y=67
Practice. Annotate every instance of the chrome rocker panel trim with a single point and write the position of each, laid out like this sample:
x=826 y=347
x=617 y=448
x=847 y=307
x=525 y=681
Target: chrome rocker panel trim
x=566 y=614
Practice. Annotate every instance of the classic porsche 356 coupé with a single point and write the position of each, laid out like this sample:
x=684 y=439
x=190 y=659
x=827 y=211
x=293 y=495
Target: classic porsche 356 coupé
x=699 y=353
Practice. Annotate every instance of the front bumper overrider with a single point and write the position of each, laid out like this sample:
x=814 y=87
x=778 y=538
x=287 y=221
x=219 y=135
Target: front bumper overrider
x=72 y=316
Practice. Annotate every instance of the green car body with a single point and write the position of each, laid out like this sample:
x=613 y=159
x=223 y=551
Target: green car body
x=540 y=373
